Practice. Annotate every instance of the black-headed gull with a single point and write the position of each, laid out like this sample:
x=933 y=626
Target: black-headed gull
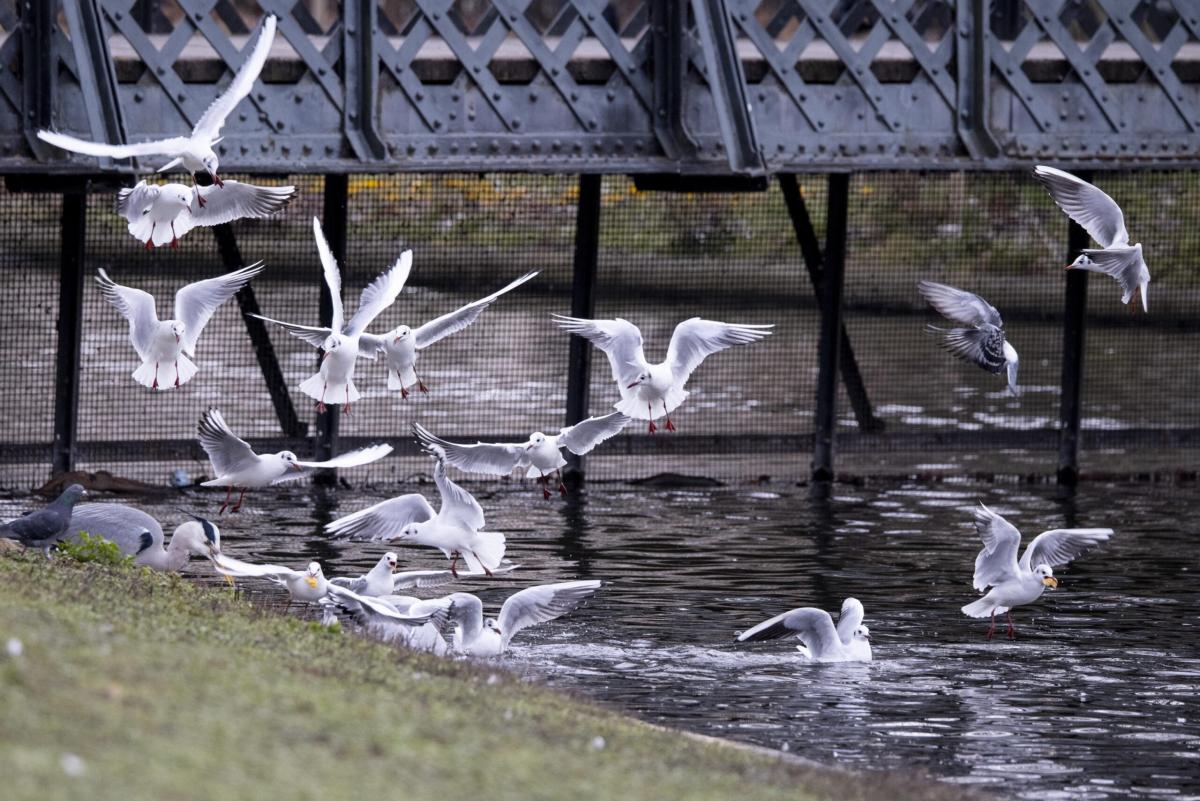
x=401 y=345
x=539 y=456
x=390 y=618
x=455 y=529
x=238 y=467
x=983 y=343
x=139 y=535
x=165 y=346
x=195 y=152
x=46 y=526
x=333 y=383
x=1101 y=217
x=476 y=635
x=385 y=579
x=1016 y=583
x=645 y=387
x=159 y=214
x=848 y=641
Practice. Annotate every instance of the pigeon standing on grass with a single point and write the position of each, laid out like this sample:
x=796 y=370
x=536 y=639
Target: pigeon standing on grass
x=43 y=528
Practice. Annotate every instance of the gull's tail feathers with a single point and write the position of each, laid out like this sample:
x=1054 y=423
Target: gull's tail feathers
x=316 y=388
x=488 y=553
x=162 y=376
x=638 y=409
x=984 y=607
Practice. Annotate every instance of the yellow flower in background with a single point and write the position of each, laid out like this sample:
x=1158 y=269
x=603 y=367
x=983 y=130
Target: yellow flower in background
x=866 y=189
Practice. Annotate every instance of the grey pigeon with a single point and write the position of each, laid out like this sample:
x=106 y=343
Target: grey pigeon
x=43 y=528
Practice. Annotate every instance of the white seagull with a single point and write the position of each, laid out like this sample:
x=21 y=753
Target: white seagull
x=983 y=342
x=165 y=345
x=238 y=466
x=479 y=636
x=539 y=456
x=195 y=152
x=334 y=381
x=401 y=344
x=455 y=529
x=390 y=618
x=1016 y=583
x=644 y=386
x=849 y=641
x=159 y=214
x=139 y=535
x=1101 y=217
x=384 y=579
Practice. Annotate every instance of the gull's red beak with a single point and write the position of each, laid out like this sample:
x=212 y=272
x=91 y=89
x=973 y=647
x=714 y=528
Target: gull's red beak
x=297 y=468
x=177 y=337
x=634 y=384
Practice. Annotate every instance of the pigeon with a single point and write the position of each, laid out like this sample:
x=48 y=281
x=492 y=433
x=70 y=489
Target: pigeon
x=849 y=641
x=237 y=465
x=165 y=345
x=983 y=342
x=1101 y=217
x=334 y=381
x=401 y=344
x=139 y=535
x=43 y=528
x=1016 y=583
x=476 y=635
x=644 y=386
x=539 y=456
x=195 y=152
x=161 y=214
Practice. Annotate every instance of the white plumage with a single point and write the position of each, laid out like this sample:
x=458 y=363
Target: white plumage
x=161 y=214
x=848 y=641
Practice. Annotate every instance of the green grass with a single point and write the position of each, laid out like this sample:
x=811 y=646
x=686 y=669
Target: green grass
x=165 y=689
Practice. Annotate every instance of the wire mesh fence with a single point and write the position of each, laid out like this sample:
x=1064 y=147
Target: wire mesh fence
x=664 y=257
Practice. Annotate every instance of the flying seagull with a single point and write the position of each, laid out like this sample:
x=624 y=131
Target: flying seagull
x=139 y=535
x=479 y=636
x=334 y=381
x=644 y=386
x=159 y=214
x=165 y=345
x=539 y=456
x=384 y=579
x=982 y=343
x=44 y=527
x=238 y=466
x=849 y=641
x=1016 y=583
x=1101 y=217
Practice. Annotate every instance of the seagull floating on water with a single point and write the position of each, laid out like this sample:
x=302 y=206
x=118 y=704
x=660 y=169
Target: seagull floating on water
x=1101 y=217
x=164 y=345
x=161 y=214
x=1016 y=583
x=983 y=343
x=238 y=466
x=139 y=535
x=849 y=641
x=44 y=527
x=643 y=386
x=333 y=383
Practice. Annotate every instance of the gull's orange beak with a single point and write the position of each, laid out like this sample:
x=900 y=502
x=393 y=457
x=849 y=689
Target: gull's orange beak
x=1051 y=582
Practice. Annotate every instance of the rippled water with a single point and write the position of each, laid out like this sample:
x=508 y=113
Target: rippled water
x=1097 y=697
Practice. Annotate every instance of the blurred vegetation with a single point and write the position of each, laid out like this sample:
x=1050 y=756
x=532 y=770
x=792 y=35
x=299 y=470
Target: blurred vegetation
x=96 y=550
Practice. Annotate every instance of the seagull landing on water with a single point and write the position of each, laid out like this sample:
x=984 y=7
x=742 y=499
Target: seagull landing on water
x=165 y=345
x=539 y=456
x=195 y=152
x=646 y=387
x=983 y=343
x=333 y=383
x=1016 y=583
x=161 y=214
x=849 y=641
x=402 y=344
x=238 y=466
x=385 y=579
x=1101 y=217
x=476 y=635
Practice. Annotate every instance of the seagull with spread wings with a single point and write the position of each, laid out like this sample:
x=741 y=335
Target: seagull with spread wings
x=477 y=635
x=1016 y=583
x=340 y=344
x=166 y=345
x=982 y=342
x=384 y=579
x=160 y=214
x=644 y=386
x=238 y=466
x=1102 y=218
x=848 y=641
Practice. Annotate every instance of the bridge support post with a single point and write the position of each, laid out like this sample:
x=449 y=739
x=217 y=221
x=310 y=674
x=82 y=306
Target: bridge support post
x=583 y=304
x=70 y=329
x=1074 y=329
x=829 y=345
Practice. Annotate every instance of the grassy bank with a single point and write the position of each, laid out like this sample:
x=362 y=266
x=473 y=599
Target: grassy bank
x=133 y=685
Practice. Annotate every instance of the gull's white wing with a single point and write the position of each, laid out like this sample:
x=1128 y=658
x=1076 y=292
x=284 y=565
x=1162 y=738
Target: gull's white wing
x=850 y=618
x=228 y=566
x=982 y=346
x=538 y=604
x=136 y=306
x=419 y=579
x=380 y=294
x=133 y=203
x=233 y=200
x=352 y=459
x=958 y=305
x=456 y=321
x=493 y=458
x=812 y=626
x=696 y=339
x=1062 y=545
x=583 y=436
x=375 y=606
x=466 y=611
x=313 y=335
x=1122 y=264
x=997 y=561
x=195 y=303
x=333 y=277
x=370 y=345
x=214 y=116
x=1098 y=213
x=160 y=147
x=227 y=452
x=384 y=520
x=357 y=584
x=458 y=505
x=620 y=340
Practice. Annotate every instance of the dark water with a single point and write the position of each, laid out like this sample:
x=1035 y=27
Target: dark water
x=1098 y=697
